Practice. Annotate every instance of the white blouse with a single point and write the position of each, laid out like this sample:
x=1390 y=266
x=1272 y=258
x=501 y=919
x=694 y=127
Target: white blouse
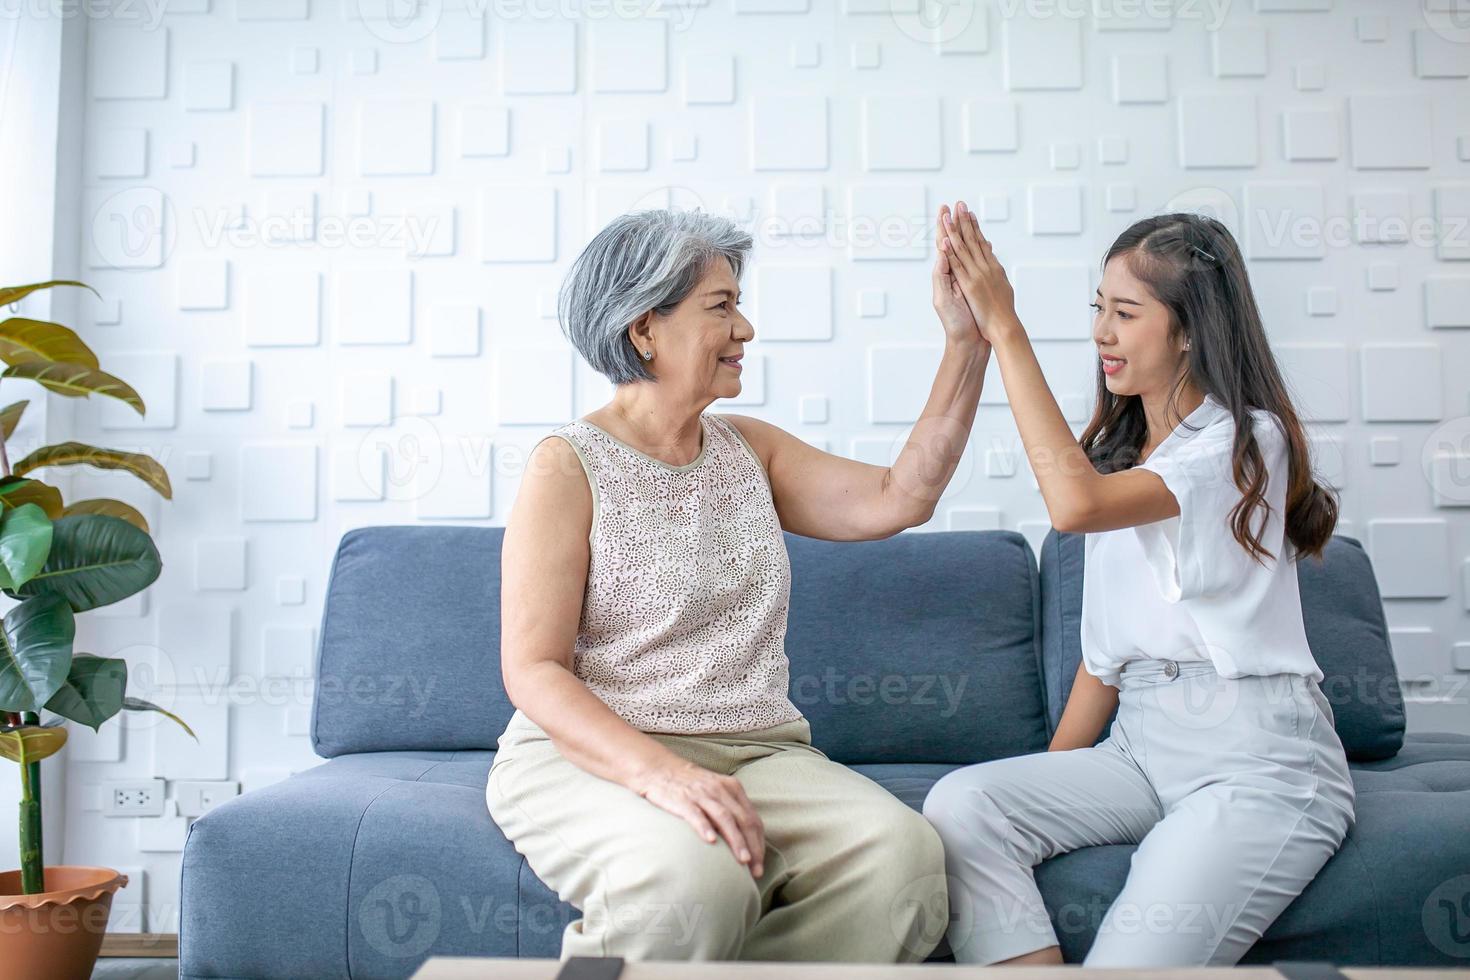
x=1183 y=588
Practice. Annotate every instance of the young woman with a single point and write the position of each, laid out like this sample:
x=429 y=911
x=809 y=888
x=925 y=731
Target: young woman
x=1194 y=488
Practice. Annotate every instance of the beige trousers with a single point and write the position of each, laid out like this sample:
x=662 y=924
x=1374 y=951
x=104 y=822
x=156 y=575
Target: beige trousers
x=851 y=873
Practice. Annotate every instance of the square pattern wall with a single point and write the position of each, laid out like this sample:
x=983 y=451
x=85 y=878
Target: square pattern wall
x=328 y=243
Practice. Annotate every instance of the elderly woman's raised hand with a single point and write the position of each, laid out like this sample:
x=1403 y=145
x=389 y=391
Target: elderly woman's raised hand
x=710 y=802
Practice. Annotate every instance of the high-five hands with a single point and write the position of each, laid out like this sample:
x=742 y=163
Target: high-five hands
x=979 y=275
x=949 y=301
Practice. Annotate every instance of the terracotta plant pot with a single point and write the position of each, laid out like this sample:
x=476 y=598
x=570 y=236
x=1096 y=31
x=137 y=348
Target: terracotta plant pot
x=56 y=933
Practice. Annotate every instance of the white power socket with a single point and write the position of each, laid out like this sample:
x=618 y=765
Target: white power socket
x=132 y=798
x=198 y=796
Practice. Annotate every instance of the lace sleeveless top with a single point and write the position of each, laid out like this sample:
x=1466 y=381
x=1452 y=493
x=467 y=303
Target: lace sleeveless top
x=683 y=623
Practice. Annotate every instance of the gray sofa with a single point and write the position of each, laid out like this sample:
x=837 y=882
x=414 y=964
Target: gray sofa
x=910 y=656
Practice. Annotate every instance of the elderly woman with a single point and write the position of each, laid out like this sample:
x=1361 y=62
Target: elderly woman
x=655 y=773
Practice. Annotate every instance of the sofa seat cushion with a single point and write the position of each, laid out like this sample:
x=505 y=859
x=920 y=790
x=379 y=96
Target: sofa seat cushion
x=909 y=781
x=1419 y=748
x=362 y=866
x=404 y=843
x=1371 y=904
x=1376 y=902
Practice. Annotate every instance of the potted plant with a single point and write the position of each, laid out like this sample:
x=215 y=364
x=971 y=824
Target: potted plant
x=60 y=559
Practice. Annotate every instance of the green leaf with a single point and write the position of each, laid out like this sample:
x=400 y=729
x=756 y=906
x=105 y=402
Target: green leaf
x=145 y=468
x=95 y=560
x=31 y=743
x=75 y=380
x=24 y=339
x=138 y=704
x=10 y=417
x=93 y=691
x=35 y=652
x=17 y=490
x=25 y=540
x=13 y=294
x=110 y=507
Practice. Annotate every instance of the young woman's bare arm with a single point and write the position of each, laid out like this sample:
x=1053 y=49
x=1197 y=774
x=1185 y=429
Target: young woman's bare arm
x=1088 y=709
x=1078 y=497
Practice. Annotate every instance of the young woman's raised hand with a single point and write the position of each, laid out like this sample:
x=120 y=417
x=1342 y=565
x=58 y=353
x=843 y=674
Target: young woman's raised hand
x=980 y=276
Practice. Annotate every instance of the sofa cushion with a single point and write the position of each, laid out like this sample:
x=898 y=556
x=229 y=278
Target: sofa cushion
x=921 y=647
x=348 y=847
x=409 y=652
x=1342 y=613
x=1389 y=896
x=1377 y=901
x=409 y=656
x=363 y=866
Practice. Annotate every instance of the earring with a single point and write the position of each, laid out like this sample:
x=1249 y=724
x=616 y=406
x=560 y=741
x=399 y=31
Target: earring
x=648 y=355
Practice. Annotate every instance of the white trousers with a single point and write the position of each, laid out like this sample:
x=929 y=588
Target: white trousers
x=1237 y=791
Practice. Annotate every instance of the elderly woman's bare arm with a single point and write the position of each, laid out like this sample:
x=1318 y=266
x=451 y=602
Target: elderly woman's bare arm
x=825 y=496
x=822 y=495
x=544 y=561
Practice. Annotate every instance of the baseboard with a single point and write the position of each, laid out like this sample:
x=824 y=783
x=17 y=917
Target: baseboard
x=157 y=944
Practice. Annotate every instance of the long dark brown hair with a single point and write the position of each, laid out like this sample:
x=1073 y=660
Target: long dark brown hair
x=1191 y=264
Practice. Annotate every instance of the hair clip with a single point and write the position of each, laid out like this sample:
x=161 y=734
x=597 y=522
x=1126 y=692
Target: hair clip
x=1202 y=252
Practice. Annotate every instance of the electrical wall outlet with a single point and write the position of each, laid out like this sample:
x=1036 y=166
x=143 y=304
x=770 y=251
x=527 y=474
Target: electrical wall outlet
x=198 y=796
x=132 y=798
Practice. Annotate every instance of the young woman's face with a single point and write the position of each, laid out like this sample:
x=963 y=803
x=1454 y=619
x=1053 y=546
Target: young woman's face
x=1131 y=330
x=698 y=346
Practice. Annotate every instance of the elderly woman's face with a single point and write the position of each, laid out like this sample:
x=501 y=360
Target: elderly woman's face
x=701 y=342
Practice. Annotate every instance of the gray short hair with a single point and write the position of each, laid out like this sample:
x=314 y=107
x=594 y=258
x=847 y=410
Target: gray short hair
x=645 y=260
